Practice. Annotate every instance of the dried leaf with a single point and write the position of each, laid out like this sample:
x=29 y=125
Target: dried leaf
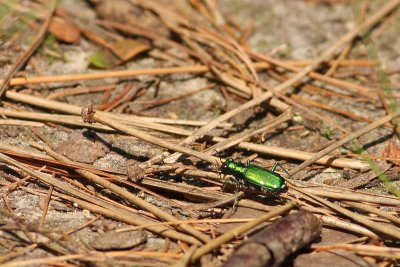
x=121 y=51
x=128 y=48
x=392 y=151
x=64 y=31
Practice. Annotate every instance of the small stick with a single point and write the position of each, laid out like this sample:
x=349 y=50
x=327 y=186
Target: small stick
x=273 y=244
x=21 y=123
x=116 y=74
x=91 y=257
x=348 y=226
x=81 y=90
x=301 y=155
x=369 y=250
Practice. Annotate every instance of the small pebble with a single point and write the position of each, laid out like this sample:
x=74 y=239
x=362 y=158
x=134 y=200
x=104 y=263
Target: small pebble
x=119 y=240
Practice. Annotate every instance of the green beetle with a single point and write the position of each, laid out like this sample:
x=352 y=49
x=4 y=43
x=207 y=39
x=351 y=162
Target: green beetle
x=256 y=176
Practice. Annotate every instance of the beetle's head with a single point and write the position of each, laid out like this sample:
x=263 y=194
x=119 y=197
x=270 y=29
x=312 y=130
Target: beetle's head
x=225 y=165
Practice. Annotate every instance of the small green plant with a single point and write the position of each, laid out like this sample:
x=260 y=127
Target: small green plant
x=357 y=148
x=18 y=24
x=328 y=133
x=388 y=100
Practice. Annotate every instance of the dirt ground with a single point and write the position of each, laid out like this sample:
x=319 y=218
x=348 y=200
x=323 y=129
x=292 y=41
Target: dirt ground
x=291 y=31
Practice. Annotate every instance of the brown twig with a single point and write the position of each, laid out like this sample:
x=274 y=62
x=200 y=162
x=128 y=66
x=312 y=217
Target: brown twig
x=348 y=226
x=81 y=90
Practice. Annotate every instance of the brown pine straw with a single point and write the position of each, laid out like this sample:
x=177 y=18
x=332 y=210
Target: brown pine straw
x=165 y=71
x=289 y=65
x=101 y=204
x=94 y=117
x=326 y=55
x=345 y=140
x=127 y=195
x=72 y=109
x=348 y=226
x=388 y=230
x=351 y=195
x=327 y=203
x=77 y=120
x=264 y=149
x=373 y=210
x=94 y=256
x=367 y=250
x=327 y=220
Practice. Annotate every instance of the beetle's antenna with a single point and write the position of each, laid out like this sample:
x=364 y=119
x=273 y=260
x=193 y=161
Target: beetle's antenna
x=279 y=165
x=215 y=151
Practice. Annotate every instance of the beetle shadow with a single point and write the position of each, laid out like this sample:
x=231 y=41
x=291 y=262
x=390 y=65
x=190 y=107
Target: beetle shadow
x=92 y=135
x=378 y=141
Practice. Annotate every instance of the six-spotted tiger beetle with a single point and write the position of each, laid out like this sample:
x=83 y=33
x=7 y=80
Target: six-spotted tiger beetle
x=255 y=176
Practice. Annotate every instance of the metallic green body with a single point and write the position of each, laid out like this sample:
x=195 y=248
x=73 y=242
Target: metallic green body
x=259 y=177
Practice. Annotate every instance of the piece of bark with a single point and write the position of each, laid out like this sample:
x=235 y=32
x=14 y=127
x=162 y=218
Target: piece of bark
x=272 y=245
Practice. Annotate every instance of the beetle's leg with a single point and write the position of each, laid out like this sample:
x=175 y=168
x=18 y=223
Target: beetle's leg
x=274 y=167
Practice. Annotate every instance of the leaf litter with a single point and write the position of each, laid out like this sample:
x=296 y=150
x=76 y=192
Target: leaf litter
x=243 y=53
